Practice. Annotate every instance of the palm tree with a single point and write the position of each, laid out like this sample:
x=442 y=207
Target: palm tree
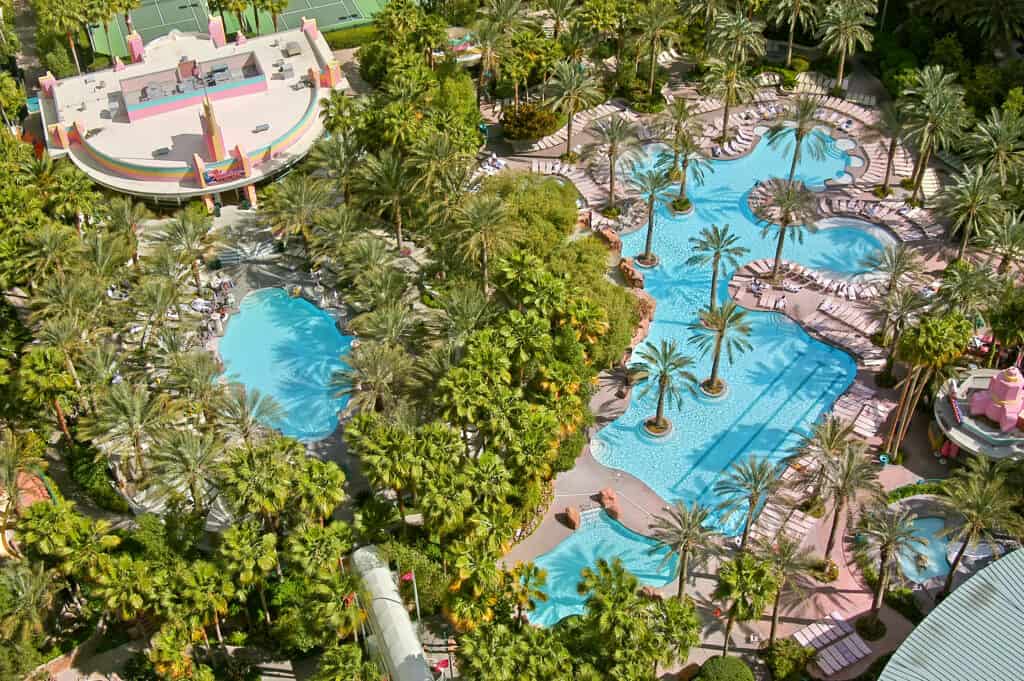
x=791 y=207
x=337 y=111
x=32 y=591
x=801 y=121
x=125 y=586
x=985 y=506
x=791 y=13
x=292 y=205
x=387 y=180
x=886 y=534
x=615 y=137
x=670 y=372
x=126 y=216
x=257 y=480
x=722 y=328
x=491 y=41
x=897 y=310
x=66 y=18
x=183 y=462
x=679 y=131
x=747 y=484
x=997 y=144
x=970 y=291
x=194 y=376
x=249 y=556
x=128 y=416
x=205 y=590
x=683 y=531
x=346 y=662
x=729 y=82
x=737 y=38
x=560 y=11
x=891 y=125
x=247 y=414
x=973 y=204
x=67 y=335
x=898 y=263
x=935 y=114
x=791 y=564
x=339 y=157
x=655 y=21
x=747 y=585
x=716 y=245
x=375 y=377
x=844 y=29
x=189 y=235
x=337 y=607
x=319 y=489
x=651 y=184
x=572 y=89
x=1005 y=239
x=846 y=476
x=486 y=232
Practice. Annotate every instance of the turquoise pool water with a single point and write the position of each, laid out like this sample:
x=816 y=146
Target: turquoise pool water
x=598 y=537
x=776 y=392
x=287 y=348
x=927 y=527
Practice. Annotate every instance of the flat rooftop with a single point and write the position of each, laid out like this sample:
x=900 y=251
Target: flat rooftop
x=166 y=141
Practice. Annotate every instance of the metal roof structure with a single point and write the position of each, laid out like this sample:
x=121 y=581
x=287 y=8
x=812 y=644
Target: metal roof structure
x=975 y=634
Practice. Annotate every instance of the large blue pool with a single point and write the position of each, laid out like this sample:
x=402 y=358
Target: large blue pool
x=598 y=537
x=776 y=392
x=287 y=348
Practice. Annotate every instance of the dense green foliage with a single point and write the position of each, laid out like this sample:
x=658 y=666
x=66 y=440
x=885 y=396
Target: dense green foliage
x=788 y=660
x=725 y=669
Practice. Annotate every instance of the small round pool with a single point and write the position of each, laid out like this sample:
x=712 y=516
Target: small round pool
x=934 y=553
x=287 y=348
x=849 y=241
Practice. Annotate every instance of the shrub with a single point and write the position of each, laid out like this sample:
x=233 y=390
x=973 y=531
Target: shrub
x=98 y=63
x=725 y=669
x=933 y=487
x=875 y=670
x=58 y=61
x=92 y=476
x=529 y=123
x=787 y=660
x=870 y=627
x=568 y=450
x=356 y=36
x=902 y=600
x=825 y=571
x=430 y=581
x=799 y=64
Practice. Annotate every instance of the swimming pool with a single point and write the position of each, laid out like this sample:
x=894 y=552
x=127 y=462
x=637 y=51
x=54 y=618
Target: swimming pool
x=776 y=392
x=598 y=537
x=287 y=348
x=935 y=552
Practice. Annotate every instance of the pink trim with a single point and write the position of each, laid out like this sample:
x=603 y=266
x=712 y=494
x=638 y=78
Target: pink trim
x=174 y=105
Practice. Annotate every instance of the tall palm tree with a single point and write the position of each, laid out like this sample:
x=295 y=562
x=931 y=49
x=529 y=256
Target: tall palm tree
x=337 y=606
x=747 y=484
x=997 y=144
x=615 y=137
x=386 y=179
x=338 y=110
x=898 y=263
x=848 y=475
x=125 y=586
x=247 y=414
x=375 y=377
x=194 y=375
x=491 y=41
x=571 y=90
x=248 y=556
x=886 y=534
x=339 y=157
x=747 y=585
x=683 y=532
x=186 y=463
x=292 y=205
x=897 y=310
x=985 y=507
x=792 y=13
x=486 y=232
x=935 y=114
x=721 y=328
x=973 y=204
x=655 y=21
x=127 y=418
x=735 y=37
x=190 y=236
x=68 y=335
x=826 y=441
x=845 y=28
x=126 y=216
x=206 y=589
x=729 y=82
x=66 y=18
x=800 y=121
x=791 y=564
x=791 y=208
x=676 y=123
x=319 y=489
x=891 y=125
x=670 y=375
x=716 y=246
x=561 y=12
x=258 y=480
x=32 y=590
x=970 y=291
x=1005 y=240
x=651 y=184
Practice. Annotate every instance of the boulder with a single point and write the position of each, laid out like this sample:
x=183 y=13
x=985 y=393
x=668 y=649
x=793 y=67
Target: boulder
x=572 y=517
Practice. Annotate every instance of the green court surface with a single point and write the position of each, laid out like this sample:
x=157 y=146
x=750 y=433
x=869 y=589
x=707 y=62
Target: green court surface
x=155 y=18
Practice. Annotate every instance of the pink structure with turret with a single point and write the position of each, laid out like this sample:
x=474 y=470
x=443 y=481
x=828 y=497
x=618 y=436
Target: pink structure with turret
x=1003 y=400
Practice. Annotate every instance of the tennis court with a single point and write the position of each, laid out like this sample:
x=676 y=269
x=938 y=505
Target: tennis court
x=155 y=18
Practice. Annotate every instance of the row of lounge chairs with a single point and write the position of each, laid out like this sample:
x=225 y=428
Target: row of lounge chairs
x=579 y=122
x=910 y=224
x=593 y=193
x=851 y=316
x=838 y=645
